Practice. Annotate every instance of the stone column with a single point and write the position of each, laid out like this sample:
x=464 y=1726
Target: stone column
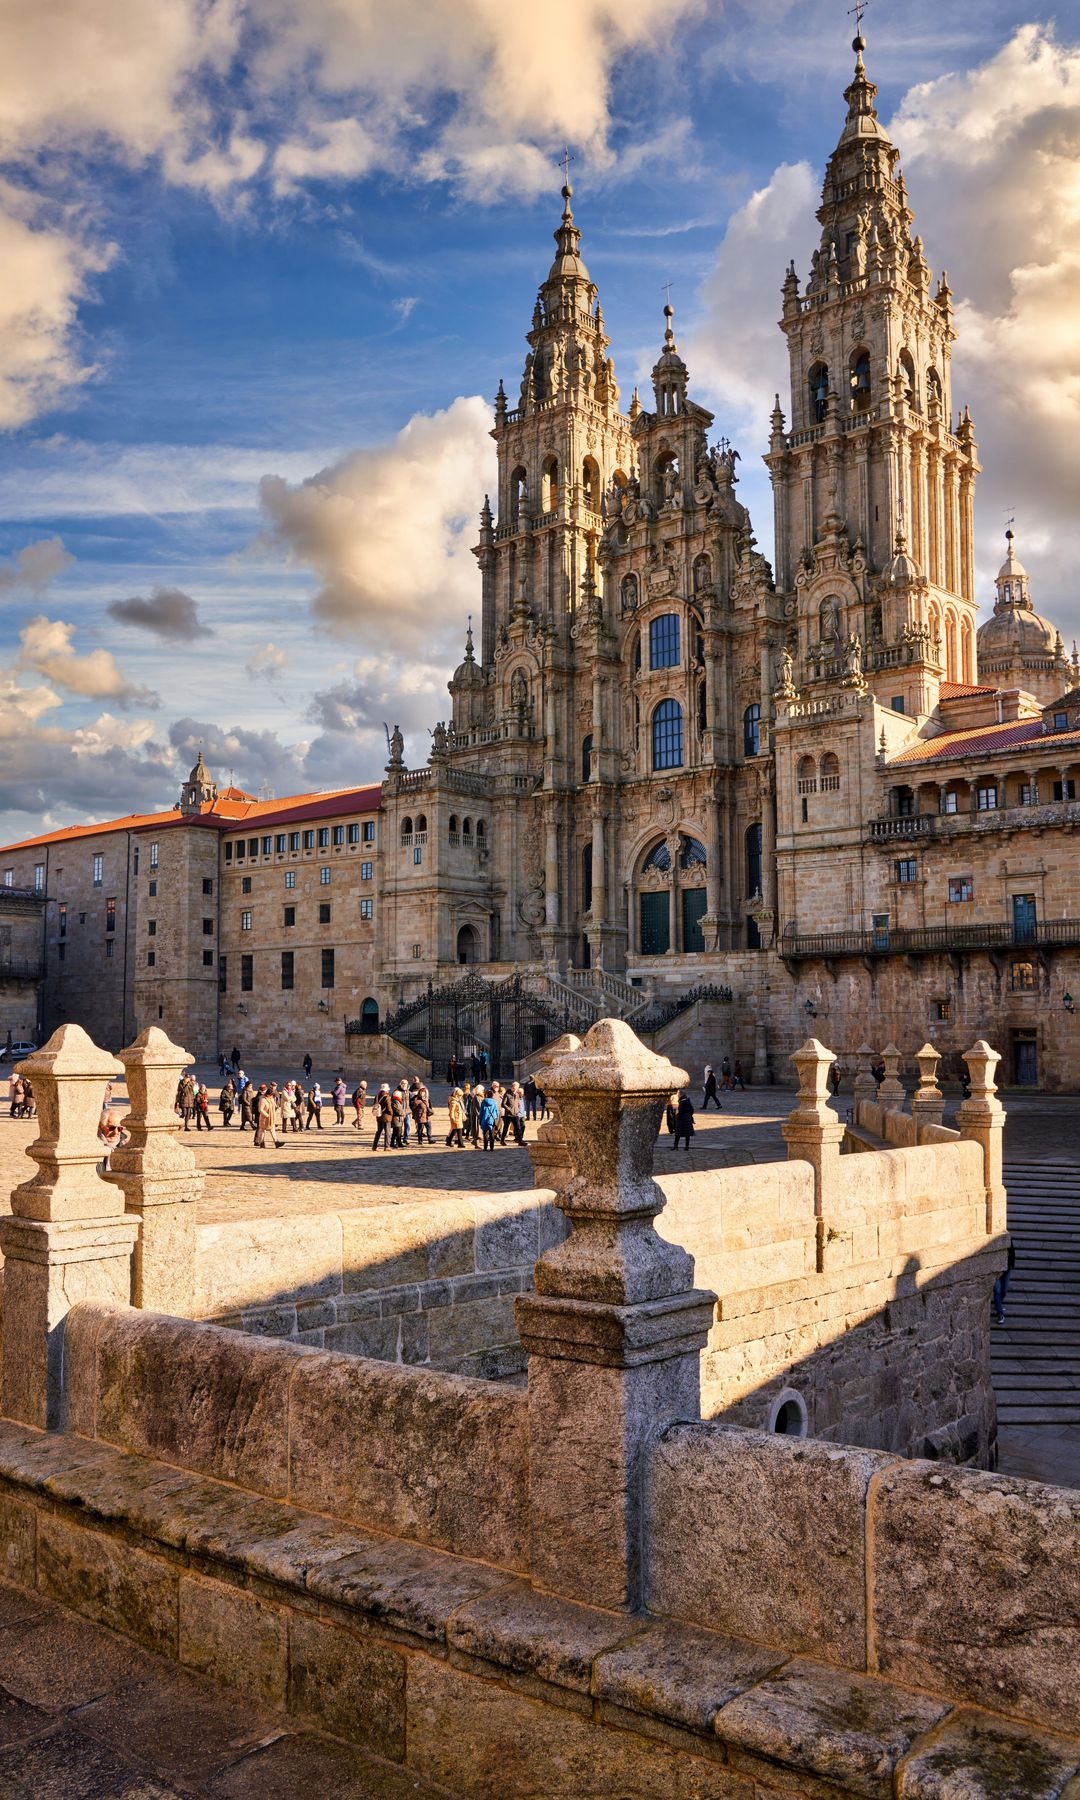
x=548 y=1153
x=158 y=1177
x=891 y=1093
x=928 y=1103
x=68 y=1237
x=614 y=1331
x=982 y=1118
x=865 y=1087
x=551 y=867
x=812 y=1131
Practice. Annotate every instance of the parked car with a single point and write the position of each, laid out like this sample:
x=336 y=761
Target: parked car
x=18 y=1051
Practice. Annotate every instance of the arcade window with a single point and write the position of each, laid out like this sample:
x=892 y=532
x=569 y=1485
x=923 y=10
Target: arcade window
x=664 y=642
x=961 y=887
x=986 y=798
x=949 y=801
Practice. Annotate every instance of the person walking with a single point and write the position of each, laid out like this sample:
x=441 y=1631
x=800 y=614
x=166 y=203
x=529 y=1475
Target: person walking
x=18 y=1090
x=202 y=1108
x=725 y=1074
x=314 y=1107
x=359 y=1101
x=519 y=1112
x=472 y=1097
x=288 y=1109
x=235 y=1059
x=451 y=1070
x=185 y=1100
x=397 y=1119
x=1001 y=1284
x=736 y=1076
x=406 y=1110
x=265 y=1119
x=340 y=1096
x=710 y=1090
x=484 y=1066
x=507 y=1109
x=489 y=1118
x=421 y=1112
x=684 y=1121
x=529 y=1091
x=457 y=1120
x=227 y=1102
x=384 y=1114
x=307 y=1066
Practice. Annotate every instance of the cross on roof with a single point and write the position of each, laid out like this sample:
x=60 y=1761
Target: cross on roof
x=666 y=290
x=856 y=12
x=566 y=159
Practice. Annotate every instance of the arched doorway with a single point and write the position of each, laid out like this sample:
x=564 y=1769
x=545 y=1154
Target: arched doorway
x=468 y=945
x=369 y=1017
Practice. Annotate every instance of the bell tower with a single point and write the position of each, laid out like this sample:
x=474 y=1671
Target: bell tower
x=871 y=466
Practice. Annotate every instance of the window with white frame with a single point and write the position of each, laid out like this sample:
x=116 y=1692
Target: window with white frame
x=245 y=921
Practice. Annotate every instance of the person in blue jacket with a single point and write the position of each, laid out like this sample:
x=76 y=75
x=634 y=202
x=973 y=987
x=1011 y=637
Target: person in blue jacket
x=489 y=1119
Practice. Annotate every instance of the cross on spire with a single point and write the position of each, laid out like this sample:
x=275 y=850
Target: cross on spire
x=566 y=159
x=666 y=290
x=856 y=12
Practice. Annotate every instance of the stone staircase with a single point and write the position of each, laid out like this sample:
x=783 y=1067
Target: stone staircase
x=1036 y=1353
x=612 y=994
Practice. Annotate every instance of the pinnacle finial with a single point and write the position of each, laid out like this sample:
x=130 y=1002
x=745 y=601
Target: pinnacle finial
x=669 y=335
x=469 y=655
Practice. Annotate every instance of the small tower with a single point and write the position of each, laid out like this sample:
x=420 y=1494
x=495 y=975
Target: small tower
x=199 y=789
x=1017 y=647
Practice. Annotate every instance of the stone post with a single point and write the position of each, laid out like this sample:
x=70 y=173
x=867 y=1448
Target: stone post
x=864 y=1085
x=812 y=1131
x=614 y=1331
x=891 y=1093
x=68 y=1238
x=982 y=1118
x=548 y=1152
x=158 y=1176
x=928 y=1103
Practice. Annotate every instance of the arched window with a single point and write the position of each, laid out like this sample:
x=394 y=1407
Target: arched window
x=406 y=831
x=951 y=666
x=907 y=379
x=466 y=831
x=659 y=857
x=967 y=658
x=519 y=488
x=586 y=877
x=455 y=833
x=667 y=476
x=590 y=484
x=860 y=380
x=830 y=772
x=468 y=946
x=692 y=854
x=667 y=736
x=664 y=641
x=806 y=776
x=702 y=572
x=481 y=833
x=751 y=730
x=818 y=380
x=753 y=860
x=421 y=823
x=629 y=592
x=549 y=485
x=369 y=1017
x=586 y=757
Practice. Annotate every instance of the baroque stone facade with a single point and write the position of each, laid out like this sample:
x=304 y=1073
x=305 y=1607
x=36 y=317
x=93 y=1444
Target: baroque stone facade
x=666 y=763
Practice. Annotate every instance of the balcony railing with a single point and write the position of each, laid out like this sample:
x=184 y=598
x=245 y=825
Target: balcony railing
x=21 y=968
x=901 y=941
x=991 y=818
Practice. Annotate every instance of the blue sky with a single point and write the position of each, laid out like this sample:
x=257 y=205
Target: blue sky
x=252 y=244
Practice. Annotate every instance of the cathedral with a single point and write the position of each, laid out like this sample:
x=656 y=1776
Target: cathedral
x=819 y=788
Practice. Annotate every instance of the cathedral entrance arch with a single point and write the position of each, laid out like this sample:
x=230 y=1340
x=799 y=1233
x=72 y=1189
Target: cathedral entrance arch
x=672 y=896
x=468 y=945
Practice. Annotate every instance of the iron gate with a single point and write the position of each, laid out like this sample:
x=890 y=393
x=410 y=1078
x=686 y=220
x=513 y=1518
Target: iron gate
x=472 y=1015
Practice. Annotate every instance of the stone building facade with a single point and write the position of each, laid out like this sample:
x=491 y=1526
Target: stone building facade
x=667 y=764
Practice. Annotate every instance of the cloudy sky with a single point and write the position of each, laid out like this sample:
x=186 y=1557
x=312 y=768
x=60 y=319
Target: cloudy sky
x=264 y=265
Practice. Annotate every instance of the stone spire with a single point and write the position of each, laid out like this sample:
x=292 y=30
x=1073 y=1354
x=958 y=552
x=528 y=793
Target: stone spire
x=1012 y=583
x=567 y=357
x=670 y=374
x=199 y=789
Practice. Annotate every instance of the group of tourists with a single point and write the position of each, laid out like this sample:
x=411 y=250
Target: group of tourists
x=731 y=1077
x=23 y=1105
x=483 y=1116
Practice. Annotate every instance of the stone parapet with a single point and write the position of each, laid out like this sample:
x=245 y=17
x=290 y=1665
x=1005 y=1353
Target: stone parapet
x=157 y=1176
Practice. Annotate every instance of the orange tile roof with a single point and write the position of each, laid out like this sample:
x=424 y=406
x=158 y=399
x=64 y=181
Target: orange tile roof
x=232 y=808
x=983 y=740
x=962 y=690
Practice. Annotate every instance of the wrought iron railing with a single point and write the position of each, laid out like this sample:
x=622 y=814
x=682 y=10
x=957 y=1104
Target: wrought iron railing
x=905 y=940
x=663 y=1015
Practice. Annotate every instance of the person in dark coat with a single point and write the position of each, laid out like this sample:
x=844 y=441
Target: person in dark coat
x=710 y=1090
x=671 y=1113
x=684 y=1121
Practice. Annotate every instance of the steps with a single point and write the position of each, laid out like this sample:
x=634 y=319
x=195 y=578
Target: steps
x=1035 y=1355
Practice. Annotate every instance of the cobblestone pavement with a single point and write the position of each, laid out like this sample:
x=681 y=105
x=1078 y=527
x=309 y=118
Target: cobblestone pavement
x=87 y=1715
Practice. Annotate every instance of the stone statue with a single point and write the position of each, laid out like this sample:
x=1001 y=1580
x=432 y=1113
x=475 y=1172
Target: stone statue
x=671 y=485
x=438 y=740
x=853 y=657
x=397 y=747
x=829 y=617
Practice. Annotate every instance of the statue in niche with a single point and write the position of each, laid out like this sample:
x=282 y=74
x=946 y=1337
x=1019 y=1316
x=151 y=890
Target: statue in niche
x=671 y=485
x=829 y=620
x=858 y=250
x=853 y=666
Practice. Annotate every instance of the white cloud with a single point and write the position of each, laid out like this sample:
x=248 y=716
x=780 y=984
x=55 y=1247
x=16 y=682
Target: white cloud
x=269 y=663
x=21 y=707
x=46 y=271
x=109 y=734
x=330 y=150
x=389 y=531
x=35 y=566
x=47 y=649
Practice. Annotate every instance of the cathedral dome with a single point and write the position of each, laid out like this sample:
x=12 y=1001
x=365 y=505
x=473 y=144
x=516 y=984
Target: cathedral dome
x=1017 y=645
x=1017 y=629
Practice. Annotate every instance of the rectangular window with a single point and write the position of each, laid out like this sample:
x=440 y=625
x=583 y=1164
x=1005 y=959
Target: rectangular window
x=253 y=846
x=61 y=952
x=62 y=916
x=9 y=877
x=354 y=834
x=207 y=886
x=948 y=801
x=309 y=840
x=245 y=884
x=418 y=951
x=897 y=703
x=247 y=974
x=286 y=970
x=279 y=843
x=151 y=888
x=324 y=837
x=268 y=846
x=110 y=946
x=324 y=913
x=223 y=974
x=339 y=834
x=290 y=878
x=228 y=851
x=153 y=856
x=324 y=875
x=151 y=958
x=943 y=1010
x=135 y=860
x=241 y=849
x=1025 y=794
x=110 y=914
x=245 y=921
x=664 y=642
x=418 y=855
x=97 y=865
x=39 y=878
x=365 y=871
x=369 y=831
x=327 y=980
x=961 y=887
x=208 y=928
x=1061 y=721
x=907 y=870
x=1064 y=790
x=151 y=928
x=986 y=798
x=289 y=916
x=1022 y=976
x=294 y=840
x=367 y=909
x=208 y=959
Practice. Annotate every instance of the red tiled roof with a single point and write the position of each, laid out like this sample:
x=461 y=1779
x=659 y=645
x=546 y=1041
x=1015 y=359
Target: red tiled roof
x=232 y=810
x=983 y=740
x=962 y=690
